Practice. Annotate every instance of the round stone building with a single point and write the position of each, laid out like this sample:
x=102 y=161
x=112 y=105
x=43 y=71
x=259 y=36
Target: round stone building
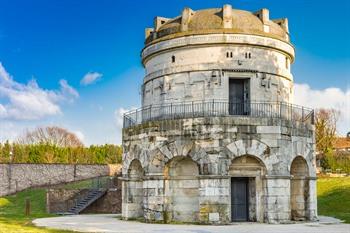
x=217 y=138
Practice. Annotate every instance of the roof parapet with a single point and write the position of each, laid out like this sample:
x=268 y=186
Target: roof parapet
x=283 y=23
x=187 y=14
x=159 y=21
x=148 y=32
x=227 y=16
x=263 y=15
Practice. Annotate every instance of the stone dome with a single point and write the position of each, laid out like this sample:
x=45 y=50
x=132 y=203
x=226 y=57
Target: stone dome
x=211 y=21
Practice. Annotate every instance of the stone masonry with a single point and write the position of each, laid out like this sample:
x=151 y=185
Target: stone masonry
x=17 y=177
x=218 y=138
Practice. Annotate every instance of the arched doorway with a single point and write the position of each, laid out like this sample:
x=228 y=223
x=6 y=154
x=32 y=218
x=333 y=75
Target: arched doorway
x=247 y=189
x=135 y=190
x=299 y=189
x=181 y=190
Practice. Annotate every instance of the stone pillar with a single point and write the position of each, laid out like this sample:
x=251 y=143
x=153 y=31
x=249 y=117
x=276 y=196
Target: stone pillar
x=132 y=199
x=312 y=200
x=153 y=199
x=214 y=199
x=277 y=199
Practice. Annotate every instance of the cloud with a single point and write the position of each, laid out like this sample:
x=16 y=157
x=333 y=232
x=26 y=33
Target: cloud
x=119 y=115
x=326 y=98
x=80 y=135
x=20 y=101
x=90 y=78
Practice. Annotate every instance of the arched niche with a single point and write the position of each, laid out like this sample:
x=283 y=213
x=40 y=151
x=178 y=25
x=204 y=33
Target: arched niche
x=299 y=189
x=134 y=192
x=249 y=172
x=181 y=190
x=135 y=170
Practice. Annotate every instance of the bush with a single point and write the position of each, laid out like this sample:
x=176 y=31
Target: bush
x=337 y=160
x=46 y=153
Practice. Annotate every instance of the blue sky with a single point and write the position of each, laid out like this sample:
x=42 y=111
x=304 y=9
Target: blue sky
x=56 y=40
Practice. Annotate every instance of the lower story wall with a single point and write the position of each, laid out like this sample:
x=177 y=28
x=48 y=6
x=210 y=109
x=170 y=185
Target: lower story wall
x=270 y=200
x=17 y=177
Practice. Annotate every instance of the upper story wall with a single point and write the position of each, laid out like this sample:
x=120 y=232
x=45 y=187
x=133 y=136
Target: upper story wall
x=194 y=57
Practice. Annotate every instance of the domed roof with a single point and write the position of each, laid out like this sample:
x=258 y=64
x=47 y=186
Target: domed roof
x=209 y=21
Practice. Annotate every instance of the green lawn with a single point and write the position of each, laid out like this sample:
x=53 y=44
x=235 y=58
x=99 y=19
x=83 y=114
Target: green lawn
x=12 y=212
x=334 y=197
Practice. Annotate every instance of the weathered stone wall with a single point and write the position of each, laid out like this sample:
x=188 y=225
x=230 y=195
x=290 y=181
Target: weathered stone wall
x=215 y=145
x=61 y=200
x=207 y=77
x=17 y=177
x=110 y=203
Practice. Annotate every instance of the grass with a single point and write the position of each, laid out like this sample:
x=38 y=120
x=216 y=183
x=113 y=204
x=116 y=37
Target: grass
x=12 y=212
x=333 y=196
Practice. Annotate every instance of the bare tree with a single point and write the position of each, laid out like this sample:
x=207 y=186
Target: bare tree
x=326 y=127
x=52 y=135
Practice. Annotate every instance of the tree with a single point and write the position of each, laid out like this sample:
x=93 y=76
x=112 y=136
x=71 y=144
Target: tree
x=326 y=127
x=51 y=135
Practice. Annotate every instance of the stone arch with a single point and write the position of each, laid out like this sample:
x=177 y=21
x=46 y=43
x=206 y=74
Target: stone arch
x=253 y=170
x=182 y=148
x=135 y=170
x=299 y=189
x=306 y=151
x=177 y=148
x=138 y=153
x=181 y=189
x=133 y=190
x=248 y=147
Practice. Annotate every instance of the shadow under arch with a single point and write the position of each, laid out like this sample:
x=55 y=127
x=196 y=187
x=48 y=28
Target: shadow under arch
x=181 y=189
x=248 y=188
x=299 y=189
x=135 y=169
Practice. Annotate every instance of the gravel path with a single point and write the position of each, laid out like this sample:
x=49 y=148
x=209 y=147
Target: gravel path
x=110 y=223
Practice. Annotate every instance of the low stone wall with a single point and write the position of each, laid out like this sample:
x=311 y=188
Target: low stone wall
x=61 y=200
x=110 y=203
x=17 y=177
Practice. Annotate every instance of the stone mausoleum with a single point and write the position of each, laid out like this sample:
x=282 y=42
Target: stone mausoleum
x=217 y=138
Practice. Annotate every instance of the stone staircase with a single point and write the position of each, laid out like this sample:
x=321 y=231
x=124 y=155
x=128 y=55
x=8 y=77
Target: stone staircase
x=91 y=197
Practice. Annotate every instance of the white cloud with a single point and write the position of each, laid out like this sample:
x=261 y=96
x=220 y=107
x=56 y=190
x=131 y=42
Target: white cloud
x=119 y=117
x=29 y=101
x=12 y=130
x=90 y=78
x=68 y=91
x=80 y=135
x=326 y=98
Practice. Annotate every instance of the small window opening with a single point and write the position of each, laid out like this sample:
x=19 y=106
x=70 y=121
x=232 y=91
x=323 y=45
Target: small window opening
x=162 y=22
x=287 y=63
x=227 y=54
x=231 y=54
x=250 y=55
x=173 y=59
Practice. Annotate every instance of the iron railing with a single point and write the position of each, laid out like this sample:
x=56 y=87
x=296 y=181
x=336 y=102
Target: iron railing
x=218 y=108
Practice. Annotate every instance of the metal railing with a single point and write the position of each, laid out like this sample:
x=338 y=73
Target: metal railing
x=218 y=108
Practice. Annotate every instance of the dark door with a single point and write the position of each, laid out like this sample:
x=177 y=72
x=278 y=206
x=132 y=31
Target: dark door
x=236 y=96
x=239 y=199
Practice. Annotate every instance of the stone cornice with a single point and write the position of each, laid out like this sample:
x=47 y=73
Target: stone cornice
x=210 y=39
